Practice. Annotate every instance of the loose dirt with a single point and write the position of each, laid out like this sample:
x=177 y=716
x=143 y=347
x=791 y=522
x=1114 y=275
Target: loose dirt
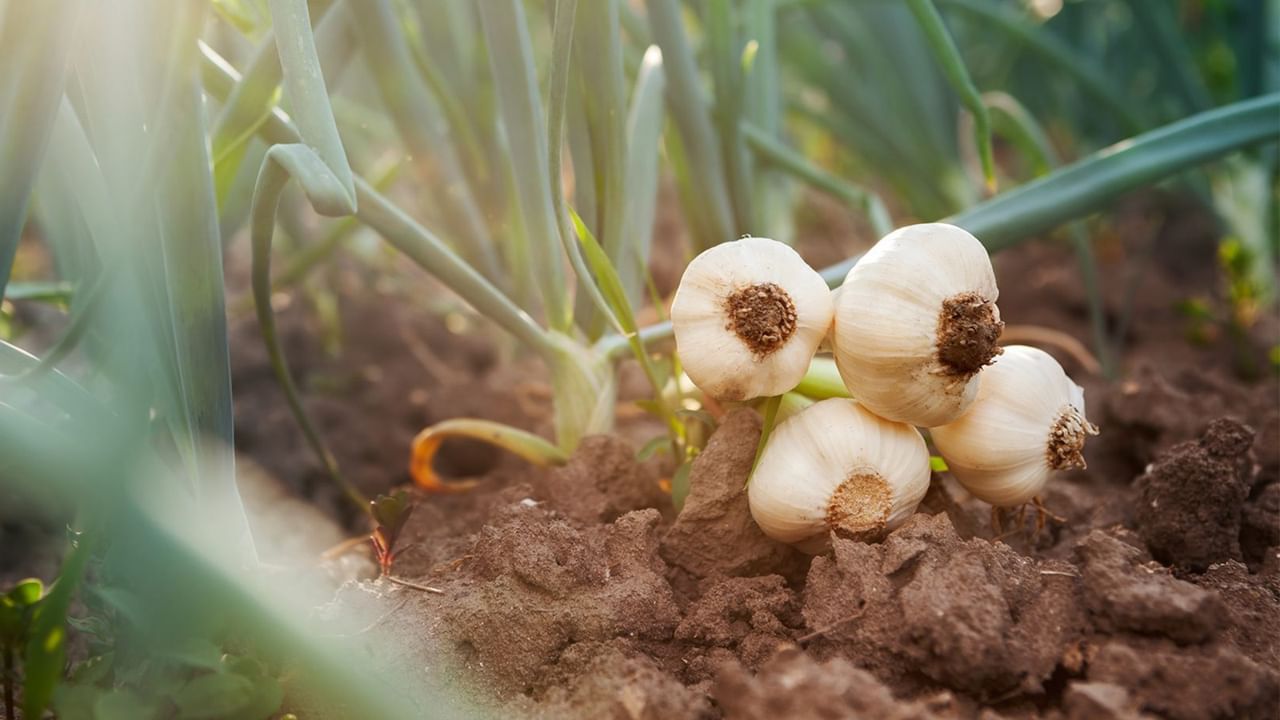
x=581 y=593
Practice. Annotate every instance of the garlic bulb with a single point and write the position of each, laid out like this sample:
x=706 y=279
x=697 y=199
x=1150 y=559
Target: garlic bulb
x=835 y=466
x=1027 y=421
x=748 y=317
x=915 y=321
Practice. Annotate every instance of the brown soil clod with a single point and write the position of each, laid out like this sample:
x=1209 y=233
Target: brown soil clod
x=859 y=506
x=763 y=316
x=1192 y=498
x=968 y=333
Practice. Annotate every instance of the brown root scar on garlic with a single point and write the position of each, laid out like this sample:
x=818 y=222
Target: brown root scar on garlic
x=968 y=334
x=859 y=507
x=1065 y=449
x=763 y=316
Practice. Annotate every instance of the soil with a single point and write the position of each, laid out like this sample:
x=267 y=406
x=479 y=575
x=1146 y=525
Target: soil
x=580 y=592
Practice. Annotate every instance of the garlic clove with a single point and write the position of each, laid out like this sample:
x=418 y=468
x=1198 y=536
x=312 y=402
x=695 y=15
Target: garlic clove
x=835 y=466
x=915 y=322
x=748 y=317
x=1028 y=420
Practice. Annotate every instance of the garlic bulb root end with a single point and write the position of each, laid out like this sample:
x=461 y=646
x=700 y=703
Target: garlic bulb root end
x=1066 y=439
x=969 y=329
x=762 y=315
x=859 y=507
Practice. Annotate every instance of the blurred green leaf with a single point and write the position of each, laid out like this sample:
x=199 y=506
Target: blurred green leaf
x=658 y=445
x=124 y=704
x=27 y=592
x=215 y=695
x=680 y=485
x=47 y=641
x=57 y=293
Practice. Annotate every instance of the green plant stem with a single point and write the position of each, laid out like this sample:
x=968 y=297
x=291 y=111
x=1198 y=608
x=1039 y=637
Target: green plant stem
x=34 y=45
x=562 y=49
x=421 y=127
x=710 y=207
x=1083 y=187
x=953 y=67
x=775 y=153
x=516 y=85
x=326 y=194
x=1021 y=127
x=400 y=230
x=1086 y=185
x=1088 y=76
x=10 y=672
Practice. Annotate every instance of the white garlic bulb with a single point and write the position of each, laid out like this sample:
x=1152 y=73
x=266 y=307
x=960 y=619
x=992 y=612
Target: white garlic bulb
x=748 y=316
x=1027 y=421
x=835 y=466
x=915 y=321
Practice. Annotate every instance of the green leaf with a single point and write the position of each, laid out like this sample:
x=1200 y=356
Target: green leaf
x=27 y=592
x=56 y=293
x=680 y=485
x=937 y=464
x=216 y=695
x=391 y=512
x=1096 y=181
x=124 y=704
x=948 y=57
x=46 y=645
x=644 y=132
x=196 y=653
x=660 y=444
x=34 y=45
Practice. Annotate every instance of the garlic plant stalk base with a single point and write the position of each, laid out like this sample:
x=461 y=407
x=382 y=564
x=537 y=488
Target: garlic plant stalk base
x=915 y=321
x=836 y=467
x=1028 y=420
x=748 y=317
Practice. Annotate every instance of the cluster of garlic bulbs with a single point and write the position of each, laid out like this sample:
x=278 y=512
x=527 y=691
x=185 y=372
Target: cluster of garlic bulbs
x=914 y=332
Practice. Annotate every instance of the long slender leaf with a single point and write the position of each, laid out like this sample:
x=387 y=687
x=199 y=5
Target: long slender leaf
x=710 y=211
x=644 y=130
x=423 y=131
x=1085 y=186
x=724 y=52
x=1062 y=58
x=141 y=165
x=948 y=57
x=511 y=56
x=399 y=229
x=34 y=46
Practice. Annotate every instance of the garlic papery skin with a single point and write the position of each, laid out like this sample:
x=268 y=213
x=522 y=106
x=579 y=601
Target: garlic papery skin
x=748 y=317
x=915 y=322
x=1027 y=421
x=836 y=467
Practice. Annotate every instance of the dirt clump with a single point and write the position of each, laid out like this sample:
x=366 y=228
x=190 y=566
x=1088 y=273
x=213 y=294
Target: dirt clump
x=971 y=615
x=794 y=685
x=1125 y=591
x=1212 y=681
x=612 y=683
x=539 y=585
x=601 y=482
x=714 y=534
x=1100 y=701
x=752 y=616
x=1191 y=499
x=1252 y=609
x=1260 y=523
